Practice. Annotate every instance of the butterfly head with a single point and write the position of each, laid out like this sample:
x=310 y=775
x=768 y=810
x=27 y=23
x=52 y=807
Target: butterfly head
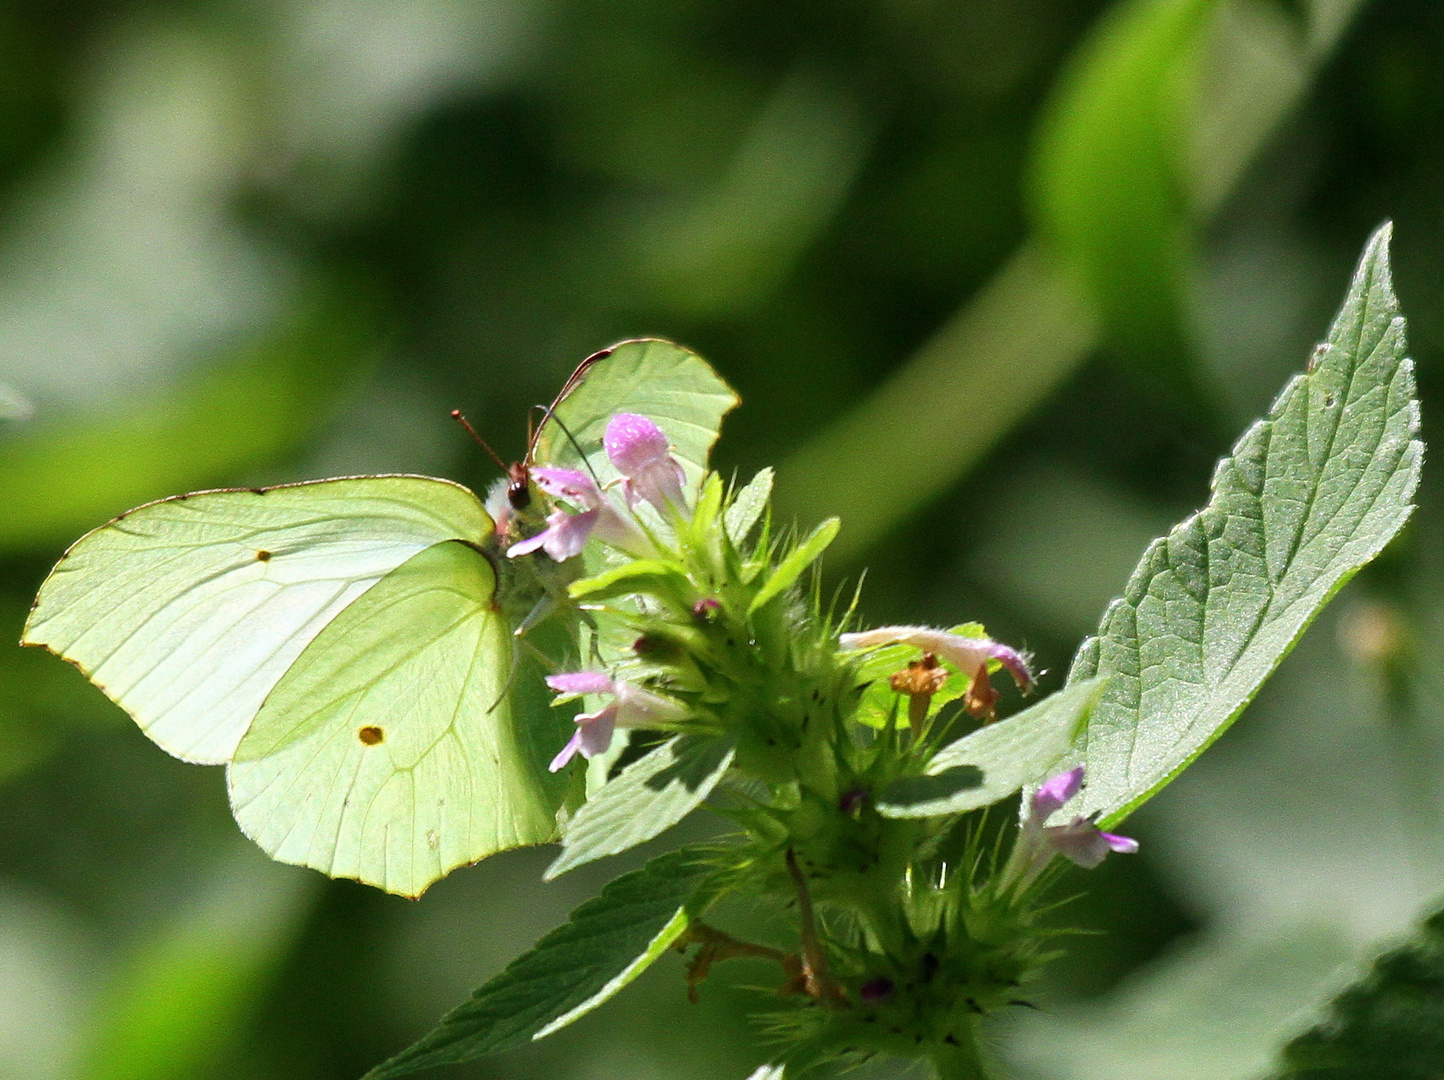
x=518 y=486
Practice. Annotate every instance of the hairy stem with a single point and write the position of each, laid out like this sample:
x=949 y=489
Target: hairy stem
x=814 y=959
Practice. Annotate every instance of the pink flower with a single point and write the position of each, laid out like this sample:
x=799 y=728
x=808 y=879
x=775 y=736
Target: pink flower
x=1080 y=840
x=631 y=706
x=567 y=534
x=964 y=653
x=1051 y=795
x=643 y=456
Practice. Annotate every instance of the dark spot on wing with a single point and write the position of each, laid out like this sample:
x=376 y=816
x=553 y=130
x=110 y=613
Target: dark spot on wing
x=371 y=735
x=258 y=491
x=263 y=556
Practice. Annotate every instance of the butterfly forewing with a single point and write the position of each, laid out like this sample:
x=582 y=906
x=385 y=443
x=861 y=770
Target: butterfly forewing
x=187 y=612
x=672 y=386
x=390 y=752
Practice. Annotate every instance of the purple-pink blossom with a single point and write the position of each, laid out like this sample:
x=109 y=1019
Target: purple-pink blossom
x=566 y=534
x=964 y=653
x=1080 y=840
x=641 y=453
x=631 y=706
x=1085 y=844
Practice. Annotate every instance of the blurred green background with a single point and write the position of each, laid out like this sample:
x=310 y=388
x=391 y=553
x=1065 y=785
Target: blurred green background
x=997 y=279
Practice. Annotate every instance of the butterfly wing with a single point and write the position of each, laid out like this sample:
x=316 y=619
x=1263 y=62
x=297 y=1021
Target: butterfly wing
x=390 y=751
x=188 y=611
x=672 y=386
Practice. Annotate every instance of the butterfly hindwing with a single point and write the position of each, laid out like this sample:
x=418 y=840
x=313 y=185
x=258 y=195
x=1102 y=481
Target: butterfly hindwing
x=186 y=612
x=390 y=751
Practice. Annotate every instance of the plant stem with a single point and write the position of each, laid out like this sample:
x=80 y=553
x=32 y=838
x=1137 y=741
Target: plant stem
x=814 y=959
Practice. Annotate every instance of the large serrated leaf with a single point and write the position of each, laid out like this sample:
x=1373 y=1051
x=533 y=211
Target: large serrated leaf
x=1387 y=1026
x=1309 y=495
x=651 y=794
x=606 y=943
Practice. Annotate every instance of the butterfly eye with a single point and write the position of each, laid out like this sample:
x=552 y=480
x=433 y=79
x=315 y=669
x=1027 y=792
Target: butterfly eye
x=518 y=491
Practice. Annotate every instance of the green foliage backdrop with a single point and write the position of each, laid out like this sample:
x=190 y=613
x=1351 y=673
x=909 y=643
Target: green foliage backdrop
x=997 y=282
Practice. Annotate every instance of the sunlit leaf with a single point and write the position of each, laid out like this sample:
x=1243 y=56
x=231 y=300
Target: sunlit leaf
x=673 y=386
x=1309 y=495
x=747 y=506
x=651 y=794
x=635 y=575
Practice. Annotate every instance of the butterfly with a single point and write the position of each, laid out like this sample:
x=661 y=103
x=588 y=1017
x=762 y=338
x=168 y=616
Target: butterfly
x=346 y=647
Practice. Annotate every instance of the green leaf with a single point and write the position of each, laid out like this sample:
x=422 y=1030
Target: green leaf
x=637 y=575
x=651 y=794
x=798 y=560
x=747 y=506
x=605 y=944
x=1108 y=178
x=907 y=793
x=996 y=760
x=767 y=1072
x=1309 y=495
x=1387 y=1026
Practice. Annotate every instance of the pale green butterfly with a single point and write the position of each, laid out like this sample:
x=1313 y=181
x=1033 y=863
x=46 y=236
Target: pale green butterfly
x=346 y=646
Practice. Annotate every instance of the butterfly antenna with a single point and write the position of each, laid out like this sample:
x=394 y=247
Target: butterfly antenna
x=465 y=423
x=552 y=415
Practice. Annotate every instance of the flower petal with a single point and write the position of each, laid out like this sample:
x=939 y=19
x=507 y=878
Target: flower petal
x=581 y=682
x=634 y=443
x=637 y=707
x=576 y=487
x=1124 y=845
x=568 y=752
x=1053 y=794
x=566 y=534
x=1081 y=842
x=659 y=483
x=527 y=546
x=964 y=653
x=595 y=730
x=564 y=537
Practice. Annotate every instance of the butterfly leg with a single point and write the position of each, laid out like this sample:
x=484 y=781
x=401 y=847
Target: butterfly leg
x=543 y=608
